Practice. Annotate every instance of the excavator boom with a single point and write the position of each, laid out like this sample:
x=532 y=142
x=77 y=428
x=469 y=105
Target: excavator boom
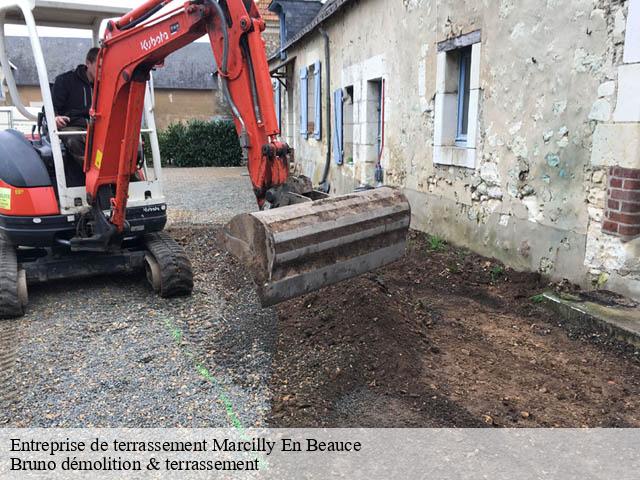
x=300 y=246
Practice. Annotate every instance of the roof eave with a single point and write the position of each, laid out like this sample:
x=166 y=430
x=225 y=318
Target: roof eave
x=322 y=17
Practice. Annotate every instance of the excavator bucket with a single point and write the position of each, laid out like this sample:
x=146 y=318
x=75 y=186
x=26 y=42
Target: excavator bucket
x=300 y=248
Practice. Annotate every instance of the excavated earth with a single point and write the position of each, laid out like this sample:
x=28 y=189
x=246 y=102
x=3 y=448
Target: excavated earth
x=442 y=338
x=445 y=338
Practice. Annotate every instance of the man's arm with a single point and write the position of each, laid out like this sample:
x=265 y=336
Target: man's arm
x=60 y=94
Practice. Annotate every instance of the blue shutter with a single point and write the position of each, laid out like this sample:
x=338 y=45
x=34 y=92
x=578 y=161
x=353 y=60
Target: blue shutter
x=317 y=132
x=278 y=101
x=303 y=103
x=338 y=128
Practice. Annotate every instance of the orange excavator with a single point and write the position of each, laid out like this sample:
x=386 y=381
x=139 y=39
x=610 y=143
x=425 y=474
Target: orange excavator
x=300 y=240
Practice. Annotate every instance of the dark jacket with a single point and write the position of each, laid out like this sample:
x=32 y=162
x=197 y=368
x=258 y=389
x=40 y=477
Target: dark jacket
x=72 y=94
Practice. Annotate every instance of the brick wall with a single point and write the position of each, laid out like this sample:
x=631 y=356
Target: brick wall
x=263 y=7
x=622 y=216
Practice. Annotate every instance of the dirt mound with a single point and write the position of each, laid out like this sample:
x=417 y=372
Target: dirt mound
x=444 y=338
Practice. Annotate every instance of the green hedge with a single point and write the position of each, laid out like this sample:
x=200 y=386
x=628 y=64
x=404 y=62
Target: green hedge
x=199 y=144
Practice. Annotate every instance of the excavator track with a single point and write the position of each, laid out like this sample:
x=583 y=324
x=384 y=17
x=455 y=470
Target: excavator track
x=8 y=357
x=12 y=282
x=168 y=268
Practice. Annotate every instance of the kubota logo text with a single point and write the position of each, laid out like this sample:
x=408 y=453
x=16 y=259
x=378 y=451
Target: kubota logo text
x=154 y=41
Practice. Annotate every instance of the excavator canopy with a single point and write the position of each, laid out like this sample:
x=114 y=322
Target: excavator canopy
x=300 y=248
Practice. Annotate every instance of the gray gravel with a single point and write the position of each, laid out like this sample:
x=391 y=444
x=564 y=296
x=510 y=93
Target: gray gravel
x=107 y=352
x=207 y=196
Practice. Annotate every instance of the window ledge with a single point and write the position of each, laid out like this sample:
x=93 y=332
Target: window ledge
x=456 y=156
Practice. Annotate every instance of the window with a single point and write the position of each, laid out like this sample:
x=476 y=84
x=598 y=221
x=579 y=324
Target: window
x=374 y=116
x=457 y=101
x=343 y=125
x=464 y=92
x=311 y=101
x=349 y=122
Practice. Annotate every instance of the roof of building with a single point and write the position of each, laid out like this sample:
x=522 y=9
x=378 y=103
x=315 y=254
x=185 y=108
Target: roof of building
x=298 y=14
x=326 y=11
x=66 y=14
x=190 y=68
x=330 y=8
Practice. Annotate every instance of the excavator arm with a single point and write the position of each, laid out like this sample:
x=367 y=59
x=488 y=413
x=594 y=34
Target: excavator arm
x=309 y=242
x=135 y=45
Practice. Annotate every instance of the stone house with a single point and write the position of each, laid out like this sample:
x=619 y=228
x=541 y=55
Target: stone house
x=513 y=126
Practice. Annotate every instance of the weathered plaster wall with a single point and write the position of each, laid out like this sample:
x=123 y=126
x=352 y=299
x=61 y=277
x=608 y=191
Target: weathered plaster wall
x=548 y=79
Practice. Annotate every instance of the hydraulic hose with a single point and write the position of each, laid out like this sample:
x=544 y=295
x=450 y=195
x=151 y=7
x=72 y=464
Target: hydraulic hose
x=144 y=17
x=225 y=62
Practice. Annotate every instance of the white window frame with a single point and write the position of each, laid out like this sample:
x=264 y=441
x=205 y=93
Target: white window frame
x=450 y=148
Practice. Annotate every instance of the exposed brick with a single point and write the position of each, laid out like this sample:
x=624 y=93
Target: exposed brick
x=629 y=231
x=610 y=227
x=629 y=207
x=268 y=16
x=632 y=185
x=628 y=195
x=626 y=218
x=613 y=204
x=625 y=172
x=615 y=182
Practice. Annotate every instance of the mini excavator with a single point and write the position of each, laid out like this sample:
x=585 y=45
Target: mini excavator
x=300 y=240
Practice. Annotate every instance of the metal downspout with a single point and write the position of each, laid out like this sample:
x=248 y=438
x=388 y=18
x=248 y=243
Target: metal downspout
x=324 y=183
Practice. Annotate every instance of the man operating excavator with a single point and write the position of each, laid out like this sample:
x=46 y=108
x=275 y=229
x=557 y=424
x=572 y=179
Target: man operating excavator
x=72 y=97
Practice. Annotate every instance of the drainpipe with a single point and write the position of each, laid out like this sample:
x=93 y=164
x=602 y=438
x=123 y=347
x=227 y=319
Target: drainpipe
x=324 y=183
x=379 y=170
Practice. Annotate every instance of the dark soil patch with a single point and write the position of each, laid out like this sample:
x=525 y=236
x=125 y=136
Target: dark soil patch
x=441 y=339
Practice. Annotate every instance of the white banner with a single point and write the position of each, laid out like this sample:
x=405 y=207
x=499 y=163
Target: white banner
x=320 y=454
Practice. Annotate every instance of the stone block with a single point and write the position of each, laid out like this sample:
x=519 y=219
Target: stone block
x=628 y=106
x=616 y=144
x=632 y=34
x=476 y=51
x=600 y=111
x=489 y=173
x=474 y=109
x=446 y=119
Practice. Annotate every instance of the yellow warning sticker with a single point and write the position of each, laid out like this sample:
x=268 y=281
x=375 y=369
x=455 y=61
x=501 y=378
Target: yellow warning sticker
x=98 y=159
x=5 y=199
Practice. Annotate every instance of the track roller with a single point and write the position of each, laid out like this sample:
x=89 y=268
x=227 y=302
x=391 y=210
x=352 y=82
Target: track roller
x=13 y=282
x=167 y=266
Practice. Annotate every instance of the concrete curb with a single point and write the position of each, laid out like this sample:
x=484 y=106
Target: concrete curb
x=620 y=323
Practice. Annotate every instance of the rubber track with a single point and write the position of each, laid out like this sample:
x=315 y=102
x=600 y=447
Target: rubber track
x=175 y=266
x=8 y=357
x=10 y=306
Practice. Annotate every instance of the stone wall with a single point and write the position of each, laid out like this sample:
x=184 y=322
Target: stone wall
x=556 y=108
x=613 y=243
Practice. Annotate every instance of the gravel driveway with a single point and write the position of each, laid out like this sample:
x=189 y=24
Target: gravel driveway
x=107 y=352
